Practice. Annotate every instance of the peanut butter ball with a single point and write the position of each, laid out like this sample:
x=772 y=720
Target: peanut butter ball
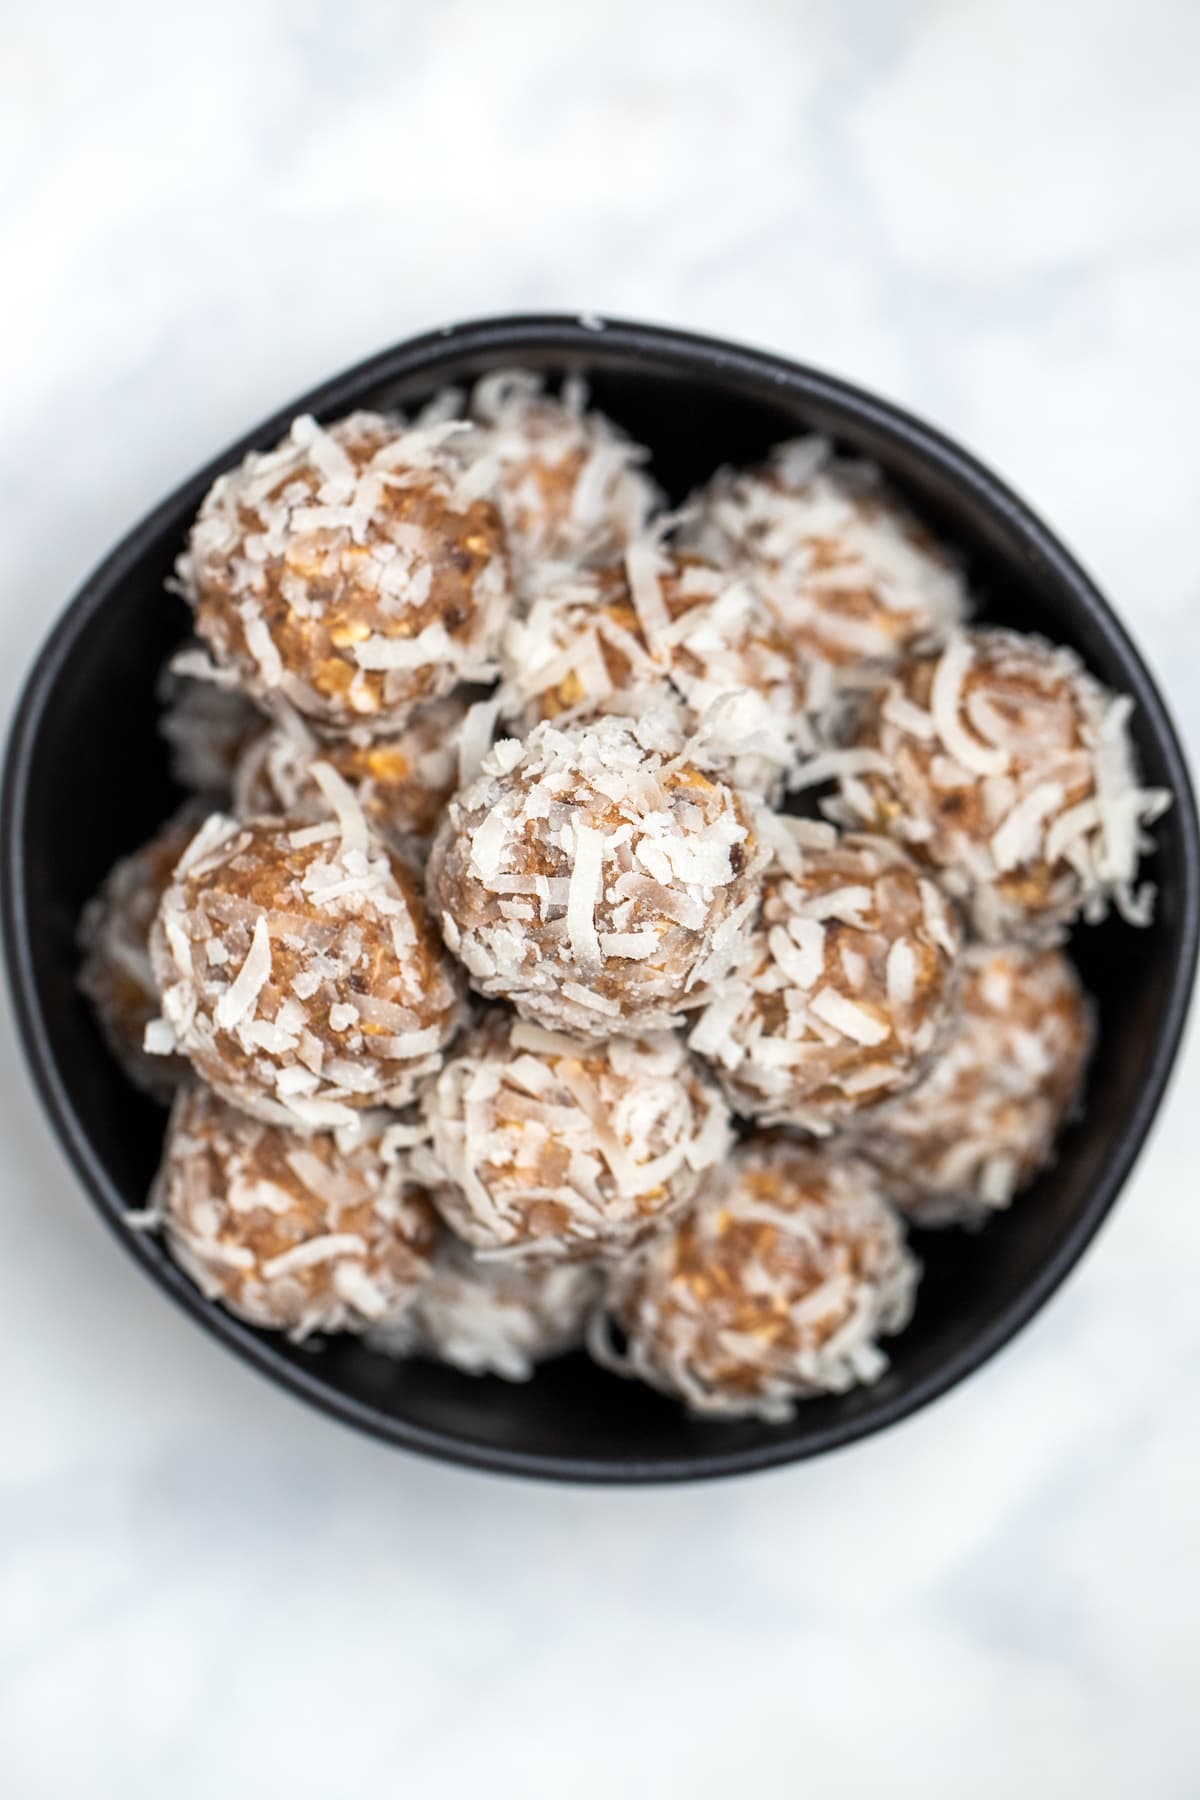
x=493 y=1318
x=292 y=1233
x=1006 y=767
x=568 y=483
x=114 y=936
x=298 y=968
x=846 y=987
x=852 y=576
x=403 y=780
x=664 y=628
x=983 y=1121
x=207 y=724
x=543 y=1145
x=595 y=877
x=777 y=1284
x=356 y=571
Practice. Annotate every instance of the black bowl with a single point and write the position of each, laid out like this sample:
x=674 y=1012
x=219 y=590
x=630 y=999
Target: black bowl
x=86 y=781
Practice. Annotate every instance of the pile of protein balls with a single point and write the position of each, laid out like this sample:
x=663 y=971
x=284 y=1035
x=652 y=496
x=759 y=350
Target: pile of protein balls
x=500 y=1006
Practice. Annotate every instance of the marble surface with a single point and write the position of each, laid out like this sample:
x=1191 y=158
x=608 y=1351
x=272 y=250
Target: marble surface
x=987 y=210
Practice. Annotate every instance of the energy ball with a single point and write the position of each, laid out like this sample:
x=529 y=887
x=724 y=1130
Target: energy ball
x=568 y=482
x=543 y=1145
x=847 y=986
x=298 y=969
x=296 y=1234
x=114 y=936
x=596 y=877
x=206 y=723
x=853 y=577
x=402 y=781
x=776 y=1285
x=665 y=628
x=1006 y=767
x=983 y=1121
x=354 y=572
x=494 y=1318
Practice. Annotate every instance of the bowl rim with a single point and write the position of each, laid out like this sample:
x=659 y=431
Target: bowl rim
x=504 y=339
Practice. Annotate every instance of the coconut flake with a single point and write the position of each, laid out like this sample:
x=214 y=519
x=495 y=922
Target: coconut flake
x=945 y=704
x=846 y=1016
x=584 y=891
x=901 y=975
x=313 y=1251
x=475 y=738
x=351 y=819
x=240 y=997
x=1018 y=838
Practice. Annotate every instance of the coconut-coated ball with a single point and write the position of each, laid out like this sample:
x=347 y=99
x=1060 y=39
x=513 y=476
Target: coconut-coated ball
x=114 y=936
x=595 y=877
x=777 y=1284
x=293 y=1233
x=355 y=571
x=543 y=1145
x=984 y=1120
x=1009 y=769
x=846 y=986
x=298 y=968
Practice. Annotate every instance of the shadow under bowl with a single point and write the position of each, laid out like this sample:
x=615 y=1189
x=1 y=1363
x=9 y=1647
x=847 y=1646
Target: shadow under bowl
x=86 y=781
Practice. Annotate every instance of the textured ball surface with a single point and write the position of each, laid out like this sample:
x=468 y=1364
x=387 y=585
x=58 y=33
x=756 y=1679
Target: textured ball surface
x=354 y=572
x=292 y=1233
x=299 y=971
x=778 y=1283
x=595 y=877
x=545 y=1145
x=846 y=986
x=1006 y=767
x=983 y=1121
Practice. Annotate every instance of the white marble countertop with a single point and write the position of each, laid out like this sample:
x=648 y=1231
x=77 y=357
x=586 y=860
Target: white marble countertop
x=989 y=211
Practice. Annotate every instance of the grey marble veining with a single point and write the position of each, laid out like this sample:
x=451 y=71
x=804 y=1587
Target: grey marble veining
x=988 y=210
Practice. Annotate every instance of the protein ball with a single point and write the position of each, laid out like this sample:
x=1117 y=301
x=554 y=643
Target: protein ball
x=847 y=986
x=293 y=1233
x=354 y=572
x=494 y=1318
x=114 y=936
x=853 y=577
x=206 y=724
x=983 y=1122
x=670 y=628
x=1007 y=767
x=777 y=1284
x=543 y=1145
x=298 y=969
x=595 y=877
x=402 y=781
x=568 y=483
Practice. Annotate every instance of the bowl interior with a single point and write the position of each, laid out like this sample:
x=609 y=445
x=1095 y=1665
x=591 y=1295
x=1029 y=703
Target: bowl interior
x=87 y=781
